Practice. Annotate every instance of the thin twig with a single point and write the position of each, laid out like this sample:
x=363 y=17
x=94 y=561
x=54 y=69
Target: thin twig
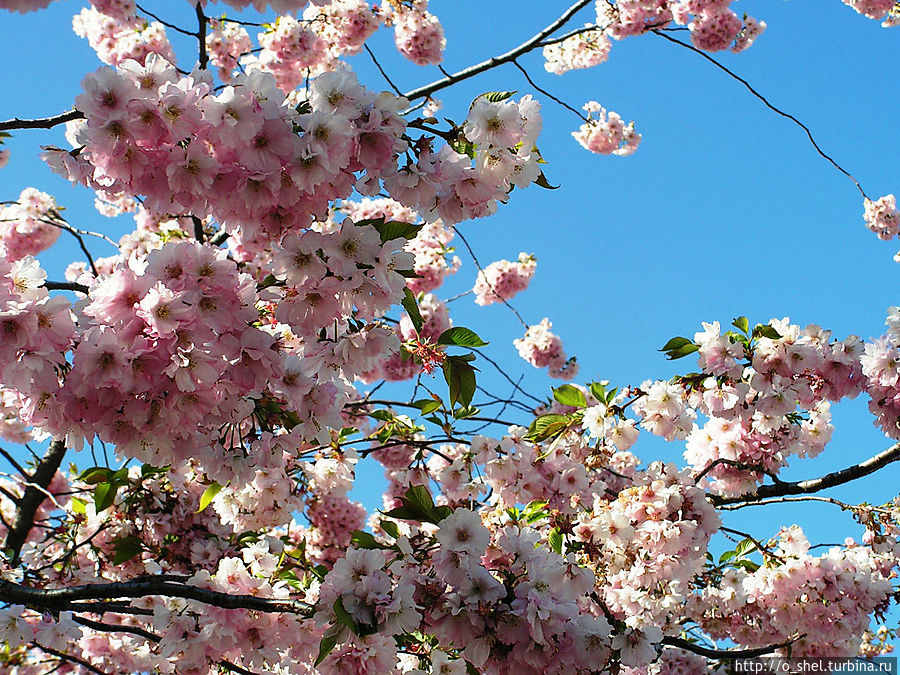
x=177 y=29
x=481 y=269
x=495 y=61
x=547 y=93
x=571 y=33
x=68 y=657
x=767 y=104
x=381 y=70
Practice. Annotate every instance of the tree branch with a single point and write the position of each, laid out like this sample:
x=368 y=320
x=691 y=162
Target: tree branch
x=201 y=35
x=41 y=122
x=65 y=598
x=62 y=656
x=495 y=61
x=767 y=104
x=681 y=643
x=66 y=286
x=871 y=465
x=33 y=497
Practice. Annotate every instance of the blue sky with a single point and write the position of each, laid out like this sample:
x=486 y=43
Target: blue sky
x=724 y=210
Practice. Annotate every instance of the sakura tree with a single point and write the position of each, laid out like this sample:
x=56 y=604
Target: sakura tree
x=273 y=325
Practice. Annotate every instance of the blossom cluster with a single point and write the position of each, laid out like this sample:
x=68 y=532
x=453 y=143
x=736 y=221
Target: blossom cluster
x=543 y=349
x=501 y=280
x=712 y=23
x=764 y=400
x=29 y=225
x=606 y=133
x=584 y=50
x=826 y=600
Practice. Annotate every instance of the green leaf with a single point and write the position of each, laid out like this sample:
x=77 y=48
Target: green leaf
x=466 y=412
x=329 y=642
x=741 y=323
x=126 y=548
x=78 y=505
x=676 y=343
x=412 y=308
x=428 y=405
x=417 y=505
x=744 y=547
x=439 y=513
x=726 y=556
x=460 y=377
x=678 y=347
x=541 y=181
x=394 y=229
x=496 y=96
x=459 y=336
x=208 y=494
x=104 y=495
x=382 y=415
x=570 y=395
x=545 y=426
x=598 y=391
x=419 y=496
x=343 y=616
x=95 y=474
x=748 y=565
x=765 y=330
x=362 y=539
x=555 y=540
x=390 y=528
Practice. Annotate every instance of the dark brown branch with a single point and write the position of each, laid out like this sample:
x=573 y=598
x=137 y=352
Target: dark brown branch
x=201 y=35
x=63 y=598
x=381 y=70
x=199 y=234
x=16 y=465
x=478 y=68
x=66 y=286
x=726 y=653
x=68 y=657
x=771 y=107
x=153 y=16
x=871 y=465
x=113 y=628
x=33 y=497
x=41 y=122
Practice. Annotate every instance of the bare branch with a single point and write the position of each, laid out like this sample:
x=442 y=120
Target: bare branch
x=32 y=499
x=41 y=122
x=153 y=16
x=478 y=68
x=871 y=465
x=547 y=93
x=381 y=70
x=726 y=653
x=68 y=657
x=66 y=286
x=767 y=104
x=201 y=35
x=65 y=598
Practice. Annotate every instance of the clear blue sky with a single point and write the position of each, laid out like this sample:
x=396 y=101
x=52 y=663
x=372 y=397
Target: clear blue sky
x=724 y=210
